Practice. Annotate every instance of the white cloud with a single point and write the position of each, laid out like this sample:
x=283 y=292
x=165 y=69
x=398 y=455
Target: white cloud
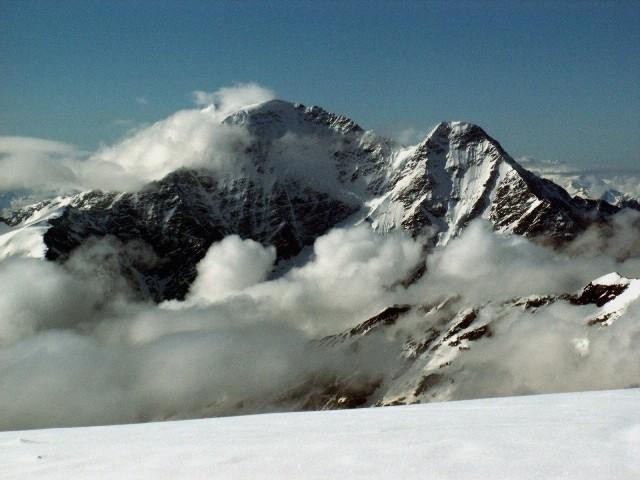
x=229 y=99
x=188 y=138
x=550 y=352
x=29 y=145
x=93 y=356
x=482 y=265
x=347 y=279
x=231 y=266
x=409 y=136
x=38 y=164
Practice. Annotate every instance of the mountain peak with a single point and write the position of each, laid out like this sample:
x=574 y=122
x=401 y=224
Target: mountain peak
x=460 y=134
x=456 y=127
x=274 y=118
x=613 y=278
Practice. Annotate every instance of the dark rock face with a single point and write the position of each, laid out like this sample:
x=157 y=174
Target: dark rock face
x=597 y=294
x=388 y=316
x=427 y=382
x=180 y=216
x=538 y=208
x=330 y=392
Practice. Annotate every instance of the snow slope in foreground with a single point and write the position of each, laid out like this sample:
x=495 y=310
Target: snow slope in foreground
x=578 y=435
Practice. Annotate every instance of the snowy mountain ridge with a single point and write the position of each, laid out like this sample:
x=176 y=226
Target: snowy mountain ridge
x=303 y=171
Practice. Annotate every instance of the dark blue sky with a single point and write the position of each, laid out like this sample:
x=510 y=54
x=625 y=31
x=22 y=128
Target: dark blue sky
x=555 y=81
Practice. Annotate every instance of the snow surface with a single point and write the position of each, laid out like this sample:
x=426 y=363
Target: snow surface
x=617 y=307
x=27 y=238
x=593 y=435
x=613 y=278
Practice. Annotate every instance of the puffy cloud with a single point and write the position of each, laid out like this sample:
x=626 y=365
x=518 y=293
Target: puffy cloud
x=552 y=351
x=37 y=164
x=229 y=99
x=188 y=138
x=242 y=340
x=482 y=266
x=350 y=276
x=231 y=266
x=36 y=296
x=619 y=238
x=549 y=350
x=94 y=355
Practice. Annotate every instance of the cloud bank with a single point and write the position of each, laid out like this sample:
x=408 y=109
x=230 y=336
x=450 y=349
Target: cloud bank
x=242 y=340
x=40 y=165
x=93 y=356
x=245 y=338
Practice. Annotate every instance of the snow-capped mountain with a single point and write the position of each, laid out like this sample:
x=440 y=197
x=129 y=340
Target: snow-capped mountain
x=401 y=324
x=620 y=188
x=459 y=173
x=304 y=171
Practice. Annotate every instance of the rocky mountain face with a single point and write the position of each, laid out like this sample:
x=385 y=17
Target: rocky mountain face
x=432 y=343
x=433 y=369
x=184 y=213
x=459 y=173
x=305 y=171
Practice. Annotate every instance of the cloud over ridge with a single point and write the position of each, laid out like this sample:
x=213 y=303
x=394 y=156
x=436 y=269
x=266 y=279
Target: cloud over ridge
x=246 y=339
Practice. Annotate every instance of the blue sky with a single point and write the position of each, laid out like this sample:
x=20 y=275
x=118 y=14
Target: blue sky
x=554 y=81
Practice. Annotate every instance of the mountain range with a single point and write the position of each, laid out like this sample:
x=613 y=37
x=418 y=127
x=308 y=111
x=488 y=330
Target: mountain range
x=305 y=171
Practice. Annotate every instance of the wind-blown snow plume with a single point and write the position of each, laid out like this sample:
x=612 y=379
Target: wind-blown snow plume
x=188 y=138
x=33 y=164
x=229 y=99
x=193 y=138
